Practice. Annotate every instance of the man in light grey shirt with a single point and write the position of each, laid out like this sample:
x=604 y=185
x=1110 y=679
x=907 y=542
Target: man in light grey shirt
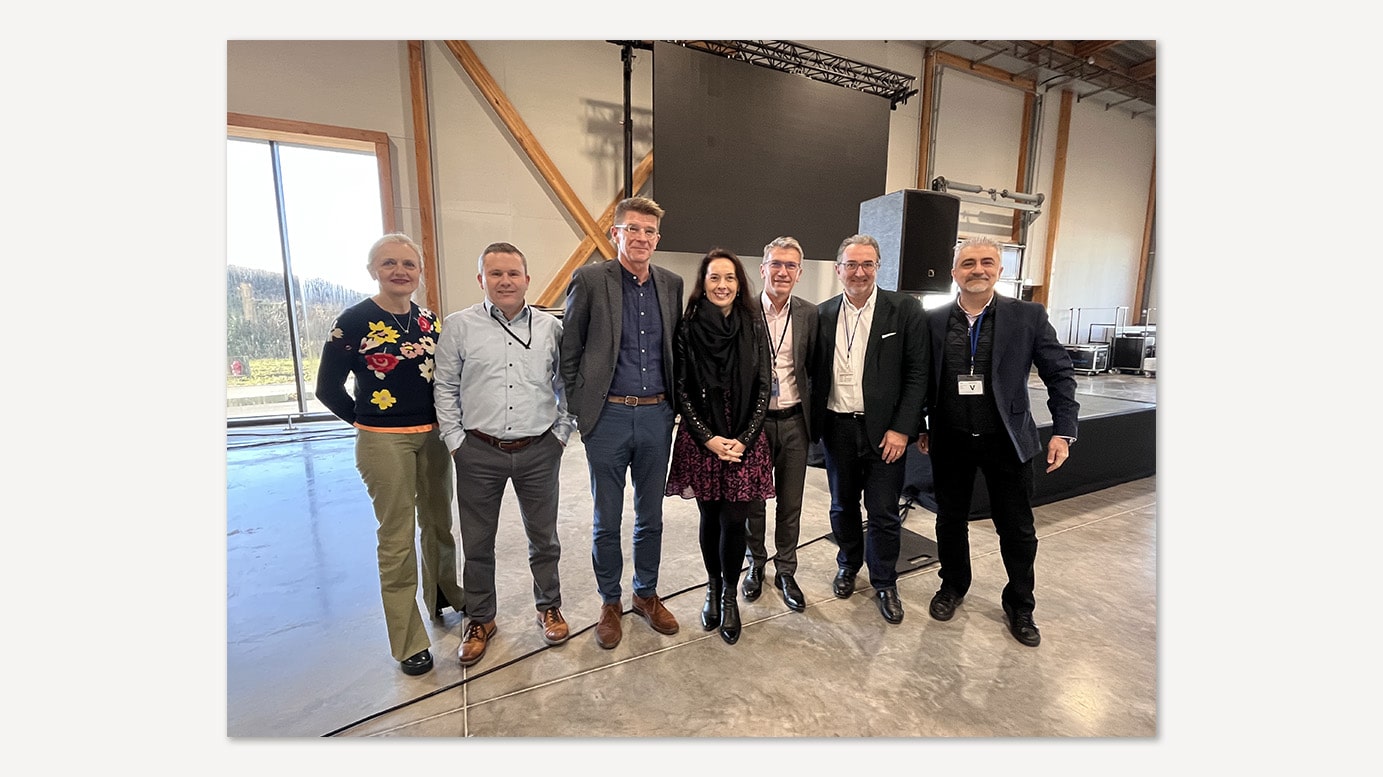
x=502 y=412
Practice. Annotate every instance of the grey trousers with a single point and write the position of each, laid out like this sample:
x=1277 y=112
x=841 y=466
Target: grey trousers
x=482 y=471
x=787 y=443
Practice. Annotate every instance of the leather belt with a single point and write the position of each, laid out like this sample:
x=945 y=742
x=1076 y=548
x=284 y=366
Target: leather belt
x=855 y=416
x=789 y=412
x=508 y=446
x=636 y=401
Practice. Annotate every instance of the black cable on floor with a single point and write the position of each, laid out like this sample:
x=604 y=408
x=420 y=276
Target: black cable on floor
x=530 y=654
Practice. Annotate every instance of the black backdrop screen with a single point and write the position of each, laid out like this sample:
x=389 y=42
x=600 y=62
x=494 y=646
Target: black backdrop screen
x=743 y=153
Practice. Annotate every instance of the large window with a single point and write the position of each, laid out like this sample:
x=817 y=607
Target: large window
x=302 y=209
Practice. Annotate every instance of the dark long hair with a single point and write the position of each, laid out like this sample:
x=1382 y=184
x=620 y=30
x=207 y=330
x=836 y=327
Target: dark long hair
x=744 y=301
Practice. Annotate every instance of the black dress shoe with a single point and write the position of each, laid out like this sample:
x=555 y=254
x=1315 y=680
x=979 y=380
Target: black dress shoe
x=710 y=611
x=845 y=583
x=944 y=604
x=889 y=604
x=1022 y=628
x=730 y=617
x=792 y=595
x=753 y=583
x=416 y=664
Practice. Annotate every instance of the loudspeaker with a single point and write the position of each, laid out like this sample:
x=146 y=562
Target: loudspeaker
x=916 y=230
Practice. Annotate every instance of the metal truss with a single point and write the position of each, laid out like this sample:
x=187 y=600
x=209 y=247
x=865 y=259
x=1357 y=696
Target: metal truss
x=815 y=64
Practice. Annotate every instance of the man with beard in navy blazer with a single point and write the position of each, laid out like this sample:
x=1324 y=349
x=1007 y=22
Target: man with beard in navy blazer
x=869 y=383
x=617 y=367
x=984 y=347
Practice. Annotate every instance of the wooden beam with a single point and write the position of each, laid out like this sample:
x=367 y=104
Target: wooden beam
x=1024 y=140
x=1139 y=298
x=924 y=143
x=507 y=114
x=1089 y=48
x=1063 y=138
x=986 y=71
x=557 y=287
x=1144 y=70
x=422 y=155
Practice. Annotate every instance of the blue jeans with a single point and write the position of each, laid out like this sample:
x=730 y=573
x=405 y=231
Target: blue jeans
x=637 y=441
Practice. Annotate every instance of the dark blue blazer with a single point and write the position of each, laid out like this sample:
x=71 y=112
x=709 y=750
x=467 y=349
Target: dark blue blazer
x=1023 y=338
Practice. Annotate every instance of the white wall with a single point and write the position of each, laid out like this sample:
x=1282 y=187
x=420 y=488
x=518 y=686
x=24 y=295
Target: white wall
x=570 y=94
x=1096 y=257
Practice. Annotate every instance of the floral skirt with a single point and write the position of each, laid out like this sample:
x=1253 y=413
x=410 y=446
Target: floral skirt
x=696 y=473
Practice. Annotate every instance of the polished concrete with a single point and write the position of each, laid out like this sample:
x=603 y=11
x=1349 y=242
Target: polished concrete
x=307 y=654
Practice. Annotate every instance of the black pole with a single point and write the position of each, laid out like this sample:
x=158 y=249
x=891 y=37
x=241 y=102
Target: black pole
x=627 y=54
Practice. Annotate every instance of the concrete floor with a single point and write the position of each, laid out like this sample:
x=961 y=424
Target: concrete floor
x=307 y=654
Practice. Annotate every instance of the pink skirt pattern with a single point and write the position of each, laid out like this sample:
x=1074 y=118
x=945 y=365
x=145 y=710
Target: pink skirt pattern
x=696 y=473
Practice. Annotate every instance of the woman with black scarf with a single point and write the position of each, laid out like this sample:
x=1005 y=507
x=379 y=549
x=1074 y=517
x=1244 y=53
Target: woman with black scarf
x=723 y=383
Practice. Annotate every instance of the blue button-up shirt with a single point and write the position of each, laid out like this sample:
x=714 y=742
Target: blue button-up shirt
x=486 y=379
x=639 y=368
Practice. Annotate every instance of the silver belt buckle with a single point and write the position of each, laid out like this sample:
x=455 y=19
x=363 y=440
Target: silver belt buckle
x=631 y=401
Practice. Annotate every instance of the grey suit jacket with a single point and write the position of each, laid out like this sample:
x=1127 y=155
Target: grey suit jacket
x=591 y=333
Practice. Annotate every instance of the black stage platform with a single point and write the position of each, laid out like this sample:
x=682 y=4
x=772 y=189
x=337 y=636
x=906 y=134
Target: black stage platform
x=1116 y=443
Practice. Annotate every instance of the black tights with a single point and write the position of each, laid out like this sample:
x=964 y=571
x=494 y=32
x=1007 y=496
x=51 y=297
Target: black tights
x=723 y=539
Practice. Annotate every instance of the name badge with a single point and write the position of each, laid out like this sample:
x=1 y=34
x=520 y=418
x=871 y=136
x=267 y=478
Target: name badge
x=774 y=389
x=971 y=385
x=845 y=377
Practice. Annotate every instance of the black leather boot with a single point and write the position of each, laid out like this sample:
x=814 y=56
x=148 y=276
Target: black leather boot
x=729 y=615
x=710 y=612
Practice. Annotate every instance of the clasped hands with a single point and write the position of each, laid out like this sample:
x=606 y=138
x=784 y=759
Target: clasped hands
x=725 y=448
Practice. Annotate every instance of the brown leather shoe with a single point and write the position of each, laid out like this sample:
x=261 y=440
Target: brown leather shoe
x=653 y=611
x=607 y=629
x=476 y=640
x=555 y=630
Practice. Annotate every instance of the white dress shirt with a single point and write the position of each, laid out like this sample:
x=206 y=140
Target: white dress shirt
x=486 y=379
x=852 y=337
x=780 y=346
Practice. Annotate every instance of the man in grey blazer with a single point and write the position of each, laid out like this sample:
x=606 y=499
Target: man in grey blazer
x=617 y=335
x=984 y=347
x=869 y=382
x=791 y=324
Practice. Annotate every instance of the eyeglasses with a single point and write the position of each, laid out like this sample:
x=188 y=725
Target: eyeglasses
x=789 y=266
x=633 y=229
x=853 y=266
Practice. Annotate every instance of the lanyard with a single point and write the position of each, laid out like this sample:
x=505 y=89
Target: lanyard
x=850 y=333
x=496 y=315
x=974 y=335
x=781 y=337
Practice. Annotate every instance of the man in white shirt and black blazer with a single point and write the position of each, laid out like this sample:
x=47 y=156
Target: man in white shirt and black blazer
x=869 y=383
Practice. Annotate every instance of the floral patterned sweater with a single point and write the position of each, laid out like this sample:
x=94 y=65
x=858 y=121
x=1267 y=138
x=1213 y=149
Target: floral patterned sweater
x=392 y=358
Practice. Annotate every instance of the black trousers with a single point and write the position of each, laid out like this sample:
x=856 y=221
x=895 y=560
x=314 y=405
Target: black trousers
x=854 y=467
x=955 y=459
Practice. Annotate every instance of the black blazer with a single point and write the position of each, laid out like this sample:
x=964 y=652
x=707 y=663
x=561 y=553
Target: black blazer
x=897 y=361
x=1023 y=337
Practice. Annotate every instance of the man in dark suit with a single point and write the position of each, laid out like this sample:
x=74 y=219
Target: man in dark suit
x=984 y=347
x=791 y=324
x=870 y=380
x=617 y=335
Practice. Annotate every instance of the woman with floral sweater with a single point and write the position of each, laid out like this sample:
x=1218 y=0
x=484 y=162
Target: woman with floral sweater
x=387 y=342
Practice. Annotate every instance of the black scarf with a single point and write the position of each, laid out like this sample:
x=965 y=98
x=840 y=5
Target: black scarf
x=723 y=365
